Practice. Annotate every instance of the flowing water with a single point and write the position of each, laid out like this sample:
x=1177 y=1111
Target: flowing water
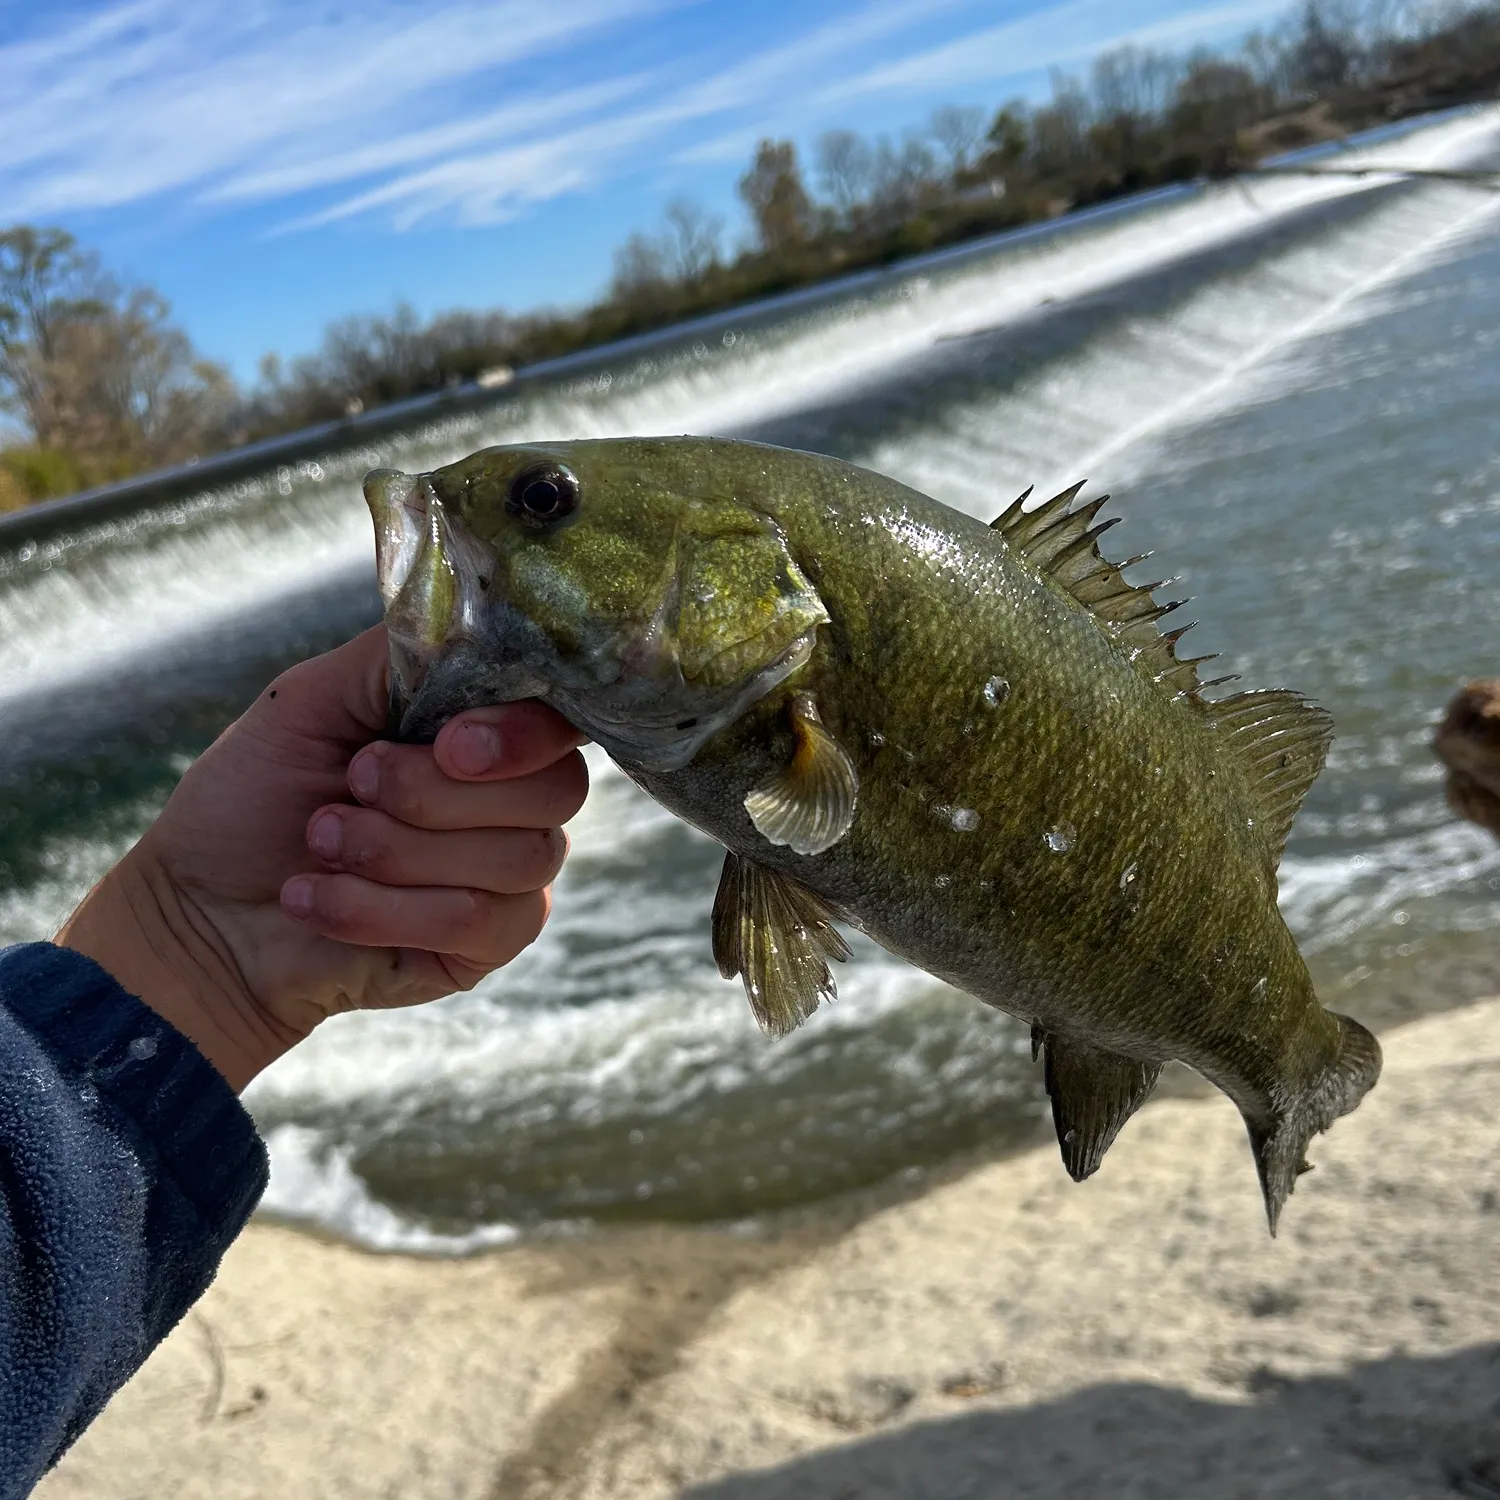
x=1290 y=391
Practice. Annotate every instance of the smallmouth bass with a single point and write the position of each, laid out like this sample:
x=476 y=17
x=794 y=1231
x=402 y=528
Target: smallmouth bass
x=973 y=743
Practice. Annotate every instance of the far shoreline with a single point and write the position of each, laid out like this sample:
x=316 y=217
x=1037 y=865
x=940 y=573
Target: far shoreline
x=39 y=523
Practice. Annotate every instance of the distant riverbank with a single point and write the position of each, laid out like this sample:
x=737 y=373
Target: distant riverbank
x=103 y=386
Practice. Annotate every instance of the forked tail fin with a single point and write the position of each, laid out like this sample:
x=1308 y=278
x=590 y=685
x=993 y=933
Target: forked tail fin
x=1280 y=1142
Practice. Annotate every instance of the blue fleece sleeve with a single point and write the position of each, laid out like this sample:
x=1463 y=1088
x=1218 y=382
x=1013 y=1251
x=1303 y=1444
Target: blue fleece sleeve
x=127 y=1165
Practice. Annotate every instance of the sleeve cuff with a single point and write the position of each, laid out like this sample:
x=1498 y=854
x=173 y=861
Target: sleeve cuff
x=106 y=1038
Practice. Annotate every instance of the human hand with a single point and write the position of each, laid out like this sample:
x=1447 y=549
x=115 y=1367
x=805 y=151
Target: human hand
x=263 y=899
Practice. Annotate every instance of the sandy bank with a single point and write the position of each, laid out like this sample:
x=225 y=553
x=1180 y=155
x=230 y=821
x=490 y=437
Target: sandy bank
x=1006 y=1334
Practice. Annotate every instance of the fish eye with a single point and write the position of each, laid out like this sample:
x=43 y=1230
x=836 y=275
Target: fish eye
x=543 y=494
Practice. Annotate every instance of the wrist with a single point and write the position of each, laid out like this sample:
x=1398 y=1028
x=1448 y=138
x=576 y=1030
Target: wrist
x=159 y=945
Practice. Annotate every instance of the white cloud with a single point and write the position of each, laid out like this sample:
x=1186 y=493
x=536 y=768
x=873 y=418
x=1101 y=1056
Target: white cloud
x=1063 y=34
x=148 y=96
x=470 y=110
x=489 y=186
x=402 y=150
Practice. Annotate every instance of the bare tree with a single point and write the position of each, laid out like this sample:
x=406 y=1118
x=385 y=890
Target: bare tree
x=692 y=238
x=1059 y=130
x=1216 y=100
x=959 y=132
x=773 y=192
x=96 y=370
x=1265 y=54
x=1009 y=135
x=903 y=178
x=845 y=170
x=366 y=360
x=1323 y=52
x=46 y=281
x=1134 y=81
x=641 y=264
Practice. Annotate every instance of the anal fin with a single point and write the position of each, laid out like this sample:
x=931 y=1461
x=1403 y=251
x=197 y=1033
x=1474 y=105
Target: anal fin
x=778 y=936
x=1093 y=1093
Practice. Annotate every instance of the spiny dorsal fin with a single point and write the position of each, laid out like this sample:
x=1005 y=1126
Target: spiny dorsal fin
x=1093 y=1094
x=1064 y=544
x=1280 y=742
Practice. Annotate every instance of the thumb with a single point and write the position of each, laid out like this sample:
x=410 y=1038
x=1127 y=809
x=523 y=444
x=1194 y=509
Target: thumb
x=343 y=695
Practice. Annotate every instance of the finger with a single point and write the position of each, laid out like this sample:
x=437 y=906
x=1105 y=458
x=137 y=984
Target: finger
x=405 y=781
x=510 y=739
x=479 y=928
x=504 y=861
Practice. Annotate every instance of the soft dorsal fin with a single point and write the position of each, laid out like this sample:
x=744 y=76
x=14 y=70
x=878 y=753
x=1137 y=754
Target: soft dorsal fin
x=1064 y=544
x=1280 y=742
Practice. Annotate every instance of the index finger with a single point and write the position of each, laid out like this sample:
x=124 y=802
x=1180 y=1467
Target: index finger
x=509 y=739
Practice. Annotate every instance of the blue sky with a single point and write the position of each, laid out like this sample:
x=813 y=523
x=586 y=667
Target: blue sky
x=273 y=164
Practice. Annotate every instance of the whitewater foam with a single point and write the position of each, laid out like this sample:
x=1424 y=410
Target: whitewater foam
x=123 y=590
x=313 y=1185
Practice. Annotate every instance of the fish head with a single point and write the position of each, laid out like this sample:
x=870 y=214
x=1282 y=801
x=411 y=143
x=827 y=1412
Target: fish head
x=607 y=577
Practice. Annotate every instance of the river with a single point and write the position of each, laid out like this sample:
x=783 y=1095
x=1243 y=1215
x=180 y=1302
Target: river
x=1289 y=388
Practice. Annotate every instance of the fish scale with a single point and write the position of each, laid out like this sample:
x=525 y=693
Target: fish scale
x=799 y=657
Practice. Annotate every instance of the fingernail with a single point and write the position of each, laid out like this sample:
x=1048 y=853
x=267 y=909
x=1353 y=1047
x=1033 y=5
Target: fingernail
x=326 y=836
x=474 y=749
x=364 y=776
x=297 y=896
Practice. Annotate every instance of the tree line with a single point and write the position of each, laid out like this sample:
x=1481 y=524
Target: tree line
x=101 y=383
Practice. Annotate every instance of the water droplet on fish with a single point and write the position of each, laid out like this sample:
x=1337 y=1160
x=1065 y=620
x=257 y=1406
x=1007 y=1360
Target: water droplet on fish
x=942 y=882
x=637 y=1137
x=1128 y=878
x=964 y=820
x=996 y=691
x=1060 y=839
x=1069 y=1137
x=877 y=738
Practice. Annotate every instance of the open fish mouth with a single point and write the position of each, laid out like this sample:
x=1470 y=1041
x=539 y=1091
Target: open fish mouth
x=452 y=647
x=399 y=507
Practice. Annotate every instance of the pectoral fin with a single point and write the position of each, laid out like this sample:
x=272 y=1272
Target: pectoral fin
x=778 y=936
x=1093 y=1093
x=809 y=805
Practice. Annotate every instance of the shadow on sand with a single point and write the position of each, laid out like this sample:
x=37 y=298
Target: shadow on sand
x=1400 y=1428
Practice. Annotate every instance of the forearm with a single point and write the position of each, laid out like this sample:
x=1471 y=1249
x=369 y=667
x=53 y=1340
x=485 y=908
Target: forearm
x=127 y=1167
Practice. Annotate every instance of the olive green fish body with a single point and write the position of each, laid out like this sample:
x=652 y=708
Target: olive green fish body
x=1026 y=795
x=1036 y=826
